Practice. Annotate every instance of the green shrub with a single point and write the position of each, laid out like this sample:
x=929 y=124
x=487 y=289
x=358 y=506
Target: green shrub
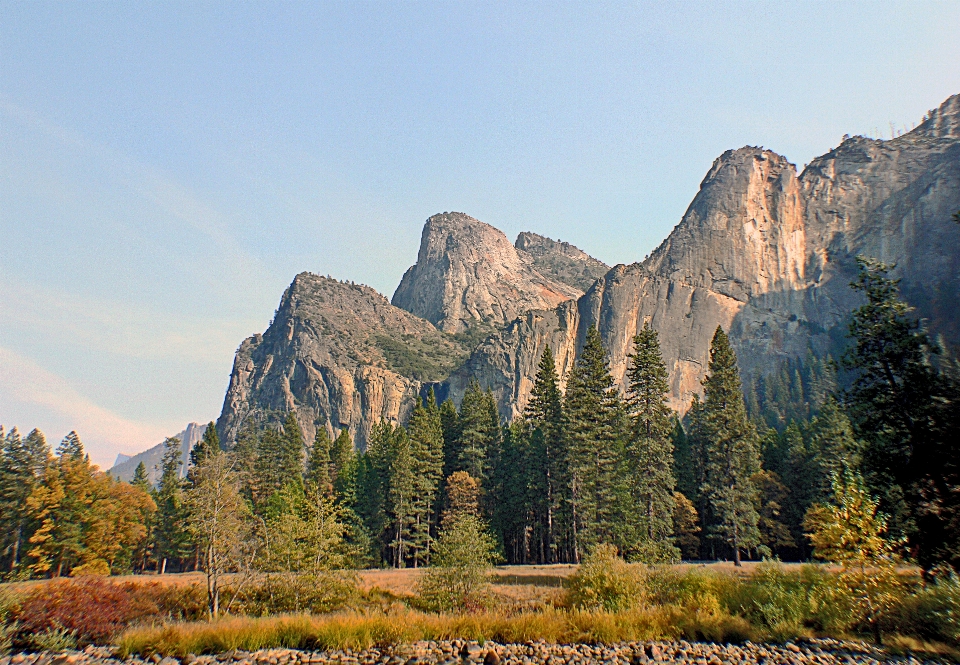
x=54 y=638
x=457 y=579
x=777 y=601
x=281 y=593
x=605 y=581
x=8 y=624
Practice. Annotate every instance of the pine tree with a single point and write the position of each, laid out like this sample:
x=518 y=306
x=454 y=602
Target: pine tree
x=59 y=505
x=401 y=491
x=511 y=496
x=732 y=454
x=280 y=460
x=477 y=432
x=595 y=429
x=71 y=447
x=171 y=541
x=426 y=452
x=140 y=478
x=548 y=464
x=450 y=423
x=650 y=451
x=319 y=466
x=22 y=465
x=341 y=457
x=245 y=454
x=907 y=413
x=207 y=445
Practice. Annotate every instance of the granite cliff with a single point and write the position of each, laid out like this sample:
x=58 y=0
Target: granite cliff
x=768 y=255
x=763 y=251
x=467 y=272
x=339 y=355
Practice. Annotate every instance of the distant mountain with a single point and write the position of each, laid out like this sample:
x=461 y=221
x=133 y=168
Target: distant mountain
x=762 y=251
x=561 y=261
x=125 y=466
x=340 y=356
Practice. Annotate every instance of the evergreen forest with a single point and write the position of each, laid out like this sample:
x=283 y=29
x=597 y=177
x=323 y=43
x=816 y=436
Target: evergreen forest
x=745 y=474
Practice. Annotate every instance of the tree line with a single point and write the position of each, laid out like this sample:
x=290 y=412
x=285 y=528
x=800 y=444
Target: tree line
x=586 y=464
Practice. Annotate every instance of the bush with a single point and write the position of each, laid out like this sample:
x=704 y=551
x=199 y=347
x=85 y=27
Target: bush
x=605 y=581
x=8 y=626
x=54 y=639
x=280 y=593
x=91 y=609
x=777 y=601
x=458 y=577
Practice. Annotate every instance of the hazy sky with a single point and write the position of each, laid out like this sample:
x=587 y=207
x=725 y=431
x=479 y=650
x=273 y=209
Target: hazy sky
x=167 y=168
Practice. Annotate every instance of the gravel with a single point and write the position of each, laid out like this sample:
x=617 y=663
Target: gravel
x=459 y=652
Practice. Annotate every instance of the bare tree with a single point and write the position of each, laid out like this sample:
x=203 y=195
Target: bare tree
x=219 y=521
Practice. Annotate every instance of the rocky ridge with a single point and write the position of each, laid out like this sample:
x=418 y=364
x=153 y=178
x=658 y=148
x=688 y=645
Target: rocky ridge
x=561 y=261
x=768 y=255
x=339 y=355
x=762 y=251
x=152 y=457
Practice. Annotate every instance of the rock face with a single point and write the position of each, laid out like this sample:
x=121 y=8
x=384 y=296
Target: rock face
x=762 y=251
x=151 y=458
x=768 y=255
x=339 y=356
x=467 y=272
x=561 y=261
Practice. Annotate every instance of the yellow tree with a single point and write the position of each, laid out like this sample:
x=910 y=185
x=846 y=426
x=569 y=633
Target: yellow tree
x=850 y=532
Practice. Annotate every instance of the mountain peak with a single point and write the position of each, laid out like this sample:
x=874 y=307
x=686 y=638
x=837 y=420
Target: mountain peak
x=468 y=272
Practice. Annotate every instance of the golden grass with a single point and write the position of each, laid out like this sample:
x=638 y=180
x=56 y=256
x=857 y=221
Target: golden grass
x=365 y=630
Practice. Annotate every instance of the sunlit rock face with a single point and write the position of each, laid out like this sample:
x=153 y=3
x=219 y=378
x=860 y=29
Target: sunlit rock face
x=768 y=255
x=467 y=272
x=761 y=251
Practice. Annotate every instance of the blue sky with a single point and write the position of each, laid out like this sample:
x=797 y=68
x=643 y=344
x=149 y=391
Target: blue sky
x=167 y=168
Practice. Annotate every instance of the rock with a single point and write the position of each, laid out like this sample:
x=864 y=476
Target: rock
x=768 y=254
x=340 y=356
x=468 y=272
x=491 y=658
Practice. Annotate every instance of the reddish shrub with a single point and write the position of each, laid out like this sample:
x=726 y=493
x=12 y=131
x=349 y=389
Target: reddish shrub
x=93 y=607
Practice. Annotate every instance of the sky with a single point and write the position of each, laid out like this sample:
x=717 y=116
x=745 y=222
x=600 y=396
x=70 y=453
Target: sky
x=166 y=168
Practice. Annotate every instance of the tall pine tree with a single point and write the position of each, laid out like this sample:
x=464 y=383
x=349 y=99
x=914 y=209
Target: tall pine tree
x=650 y=452
x=548 y=464
x=732 y=453
x=595 y=431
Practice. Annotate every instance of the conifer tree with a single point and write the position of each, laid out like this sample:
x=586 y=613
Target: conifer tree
x=548 y=464
x=171 y=540
x=140 y=478
x=450 y=423
x=245 y=454
x=22 y=465
x=319 y=472
x=341 y=458
x=426 y=459
x=371 y=482
x=595 y=429
x=732 y=453
x=477 y=433
x=208 y=444
x=401 y=489
x=907 y=412
x=650 y=451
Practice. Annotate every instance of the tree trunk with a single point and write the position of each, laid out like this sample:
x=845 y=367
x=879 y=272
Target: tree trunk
x=163 y=566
